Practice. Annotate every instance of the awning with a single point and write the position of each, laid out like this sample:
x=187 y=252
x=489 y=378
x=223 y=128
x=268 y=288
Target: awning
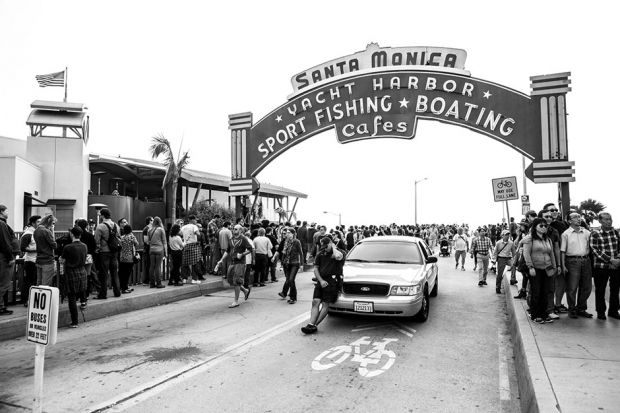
x=56 y=119
x=61 y=202
x=48 y=104
x=35 y=200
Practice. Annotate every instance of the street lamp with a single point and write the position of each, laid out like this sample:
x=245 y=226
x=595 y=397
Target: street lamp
x=333 y=213
x=416 y=199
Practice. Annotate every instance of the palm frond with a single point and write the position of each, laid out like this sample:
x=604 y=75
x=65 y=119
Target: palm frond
x=161 y=146
x=183 y=162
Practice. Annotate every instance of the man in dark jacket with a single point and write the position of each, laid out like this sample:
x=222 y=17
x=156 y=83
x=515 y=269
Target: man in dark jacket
x=302 y=236
x=8 y=250
x=89 y=240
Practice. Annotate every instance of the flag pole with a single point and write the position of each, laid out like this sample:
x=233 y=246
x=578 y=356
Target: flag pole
x=64 y=130
x=66 y=77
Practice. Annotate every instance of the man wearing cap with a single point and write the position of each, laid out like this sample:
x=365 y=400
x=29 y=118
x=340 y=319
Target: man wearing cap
x=482 y=247
x=328 y=272
x=503 y=254
x=238 y=247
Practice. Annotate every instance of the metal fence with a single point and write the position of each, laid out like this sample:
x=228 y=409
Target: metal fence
x=17 y=286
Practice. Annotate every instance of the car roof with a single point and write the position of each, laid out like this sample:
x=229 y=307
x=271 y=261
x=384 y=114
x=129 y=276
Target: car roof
x=393 y=238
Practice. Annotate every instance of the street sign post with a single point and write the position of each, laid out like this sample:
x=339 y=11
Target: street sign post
x=525 y=206
x=41 y=330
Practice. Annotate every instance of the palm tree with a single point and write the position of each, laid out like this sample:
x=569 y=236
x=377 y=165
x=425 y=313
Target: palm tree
x=161 y=146
x=591 y=208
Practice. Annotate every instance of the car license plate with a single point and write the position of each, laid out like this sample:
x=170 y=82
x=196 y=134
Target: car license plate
x=360 y=307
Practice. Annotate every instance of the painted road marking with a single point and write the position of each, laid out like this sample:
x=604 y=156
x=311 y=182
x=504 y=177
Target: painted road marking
x=371 y=357
x=146 y=391
x=408 y=331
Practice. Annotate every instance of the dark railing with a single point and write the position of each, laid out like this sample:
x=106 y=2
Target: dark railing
x=15 y=289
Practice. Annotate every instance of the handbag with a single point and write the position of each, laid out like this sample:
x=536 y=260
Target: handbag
x=136 y=256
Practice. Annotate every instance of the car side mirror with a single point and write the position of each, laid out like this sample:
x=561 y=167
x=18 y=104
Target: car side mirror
x=431 y=260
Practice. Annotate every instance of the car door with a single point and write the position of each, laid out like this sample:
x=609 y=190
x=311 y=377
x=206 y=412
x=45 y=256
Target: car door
x=430 y=270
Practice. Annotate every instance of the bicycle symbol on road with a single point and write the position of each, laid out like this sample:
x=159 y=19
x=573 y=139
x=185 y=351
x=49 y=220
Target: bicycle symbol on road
x=505 y=183
x=379 y=359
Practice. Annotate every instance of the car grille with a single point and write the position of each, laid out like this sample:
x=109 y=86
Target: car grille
x=366 y=289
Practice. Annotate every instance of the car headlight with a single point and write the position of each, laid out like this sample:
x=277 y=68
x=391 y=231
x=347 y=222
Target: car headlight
x=405 y=290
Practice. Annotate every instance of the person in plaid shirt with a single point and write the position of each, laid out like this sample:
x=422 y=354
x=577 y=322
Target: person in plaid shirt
x=482 y=246
x=605 y=244
x=214 y=249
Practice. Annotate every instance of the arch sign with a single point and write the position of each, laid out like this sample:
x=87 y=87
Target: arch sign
x=385 y=92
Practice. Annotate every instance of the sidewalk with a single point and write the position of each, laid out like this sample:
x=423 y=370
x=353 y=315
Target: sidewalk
x=570 y=366
x=14 y=325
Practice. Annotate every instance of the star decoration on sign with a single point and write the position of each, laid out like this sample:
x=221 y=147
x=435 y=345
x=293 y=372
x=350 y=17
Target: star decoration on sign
x=279 y=118
x=487 y=94
x=404 y=103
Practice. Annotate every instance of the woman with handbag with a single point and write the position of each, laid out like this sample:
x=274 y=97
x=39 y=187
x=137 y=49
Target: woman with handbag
x=541 y=261
x=128 y=258
x=176 y=255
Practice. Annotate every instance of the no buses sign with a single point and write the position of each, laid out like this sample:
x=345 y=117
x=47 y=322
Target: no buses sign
x=42 y=315
x=505 y=189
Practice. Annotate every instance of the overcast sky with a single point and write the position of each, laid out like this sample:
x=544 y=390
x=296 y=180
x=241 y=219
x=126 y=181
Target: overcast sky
x=181 y=67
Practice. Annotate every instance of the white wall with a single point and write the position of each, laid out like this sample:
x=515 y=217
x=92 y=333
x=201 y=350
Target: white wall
x=18 y=176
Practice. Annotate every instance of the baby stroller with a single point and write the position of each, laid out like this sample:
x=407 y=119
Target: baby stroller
x=445 y=248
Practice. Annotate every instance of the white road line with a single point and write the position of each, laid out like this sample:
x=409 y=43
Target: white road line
x=504 y=378
x=154 y=387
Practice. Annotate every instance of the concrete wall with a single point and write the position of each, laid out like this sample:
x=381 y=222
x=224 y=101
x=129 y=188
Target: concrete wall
x=18 y=177
x=12 y=147
x=65 y=168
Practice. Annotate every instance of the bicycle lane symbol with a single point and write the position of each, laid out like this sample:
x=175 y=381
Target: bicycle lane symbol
x=373 y=362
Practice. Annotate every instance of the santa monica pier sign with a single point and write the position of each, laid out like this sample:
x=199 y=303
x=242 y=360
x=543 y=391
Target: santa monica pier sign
x=384 y=92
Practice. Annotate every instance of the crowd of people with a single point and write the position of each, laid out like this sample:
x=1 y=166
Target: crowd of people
x=556 y=257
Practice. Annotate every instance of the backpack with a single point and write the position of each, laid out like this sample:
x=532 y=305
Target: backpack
x=114 y=242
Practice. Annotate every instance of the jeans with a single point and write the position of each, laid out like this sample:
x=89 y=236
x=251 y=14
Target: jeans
x=156 y=259
x=483 y=267
x=6 y=274
x=30 y=279
x=146 y=265
x=551 y=294
x=177 y=260
x=601 y=275
x=462 y=254
x=290 y=272
x=560 y=288
x=109 y=271
x=261 y=268
x=73 y=306
x=124 y=272
x=304 y=249
x=45 y=274
x=579 y=276
x=539 y=291
x=272 y=269
x=501 y=265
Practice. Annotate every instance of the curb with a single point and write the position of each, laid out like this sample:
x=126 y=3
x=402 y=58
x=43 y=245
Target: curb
x=16 y=327
x=535 y=389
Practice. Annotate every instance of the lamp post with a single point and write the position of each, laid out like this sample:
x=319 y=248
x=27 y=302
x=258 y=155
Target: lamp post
x=333 y=213
x=416 y=199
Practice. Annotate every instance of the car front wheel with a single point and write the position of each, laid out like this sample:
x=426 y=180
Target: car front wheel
x=422 y=315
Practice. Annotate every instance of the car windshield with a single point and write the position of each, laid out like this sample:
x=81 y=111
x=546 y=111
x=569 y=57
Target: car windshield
x=386 y=252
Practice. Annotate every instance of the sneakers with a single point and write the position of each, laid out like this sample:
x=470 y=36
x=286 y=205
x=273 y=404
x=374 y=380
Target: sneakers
x=72 y=325
x=548 y=320
x=538 y=320
x=83 y=305
x=560 y=309
x=553 y=316
x=462 y=268
x=309 y=329
x=480 y=283
x=291 y=301
x=484 y=282
x=282 y=296
x=129 y=291
x=196 y=282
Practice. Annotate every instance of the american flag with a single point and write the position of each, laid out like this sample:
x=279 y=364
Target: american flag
x=53 y=79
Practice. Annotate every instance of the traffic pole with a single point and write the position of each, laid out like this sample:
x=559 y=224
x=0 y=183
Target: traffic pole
x=39 y=364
